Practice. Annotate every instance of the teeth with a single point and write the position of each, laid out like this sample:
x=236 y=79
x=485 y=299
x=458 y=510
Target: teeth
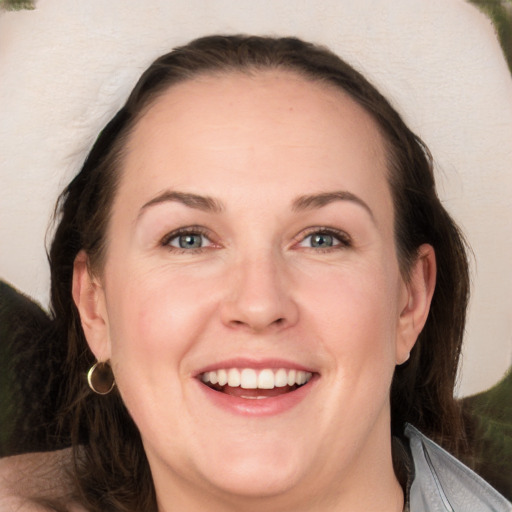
x=248 y=378
x=222 y=376
x=281 y=379
x=233 y=378
x=266 y=379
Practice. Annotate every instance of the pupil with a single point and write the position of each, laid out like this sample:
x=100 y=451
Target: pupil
x=190 y=241
x=322 y=241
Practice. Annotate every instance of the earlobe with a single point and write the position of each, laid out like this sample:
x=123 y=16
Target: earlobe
x=89 y=298
x=416 y=304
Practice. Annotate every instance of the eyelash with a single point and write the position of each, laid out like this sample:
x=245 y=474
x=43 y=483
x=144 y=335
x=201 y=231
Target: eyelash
x=344 y=240
x=191 y=230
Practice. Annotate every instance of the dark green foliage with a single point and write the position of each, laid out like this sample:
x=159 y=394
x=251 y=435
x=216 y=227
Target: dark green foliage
x=16 y=5
x=30 y=376
x=489 y=419
x=500 y=12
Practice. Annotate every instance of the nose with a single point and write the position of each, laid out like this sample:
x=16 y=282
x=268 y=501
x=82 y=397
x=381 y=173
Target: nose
x=260 y=296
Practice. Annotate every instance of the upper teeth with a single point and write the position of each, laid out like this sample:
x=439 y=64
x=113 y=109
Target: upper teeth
x=248 y=378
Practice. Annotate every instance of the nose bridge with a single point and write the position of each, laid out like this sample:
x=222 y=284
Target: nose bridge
x=260 y=294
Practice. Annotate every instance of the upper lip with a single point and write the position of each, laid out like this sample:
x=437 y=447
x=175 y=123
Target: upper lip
x=256 y=364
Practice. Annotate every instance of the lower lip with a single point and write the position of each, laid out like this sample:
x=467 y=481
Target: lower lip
x=258 y=407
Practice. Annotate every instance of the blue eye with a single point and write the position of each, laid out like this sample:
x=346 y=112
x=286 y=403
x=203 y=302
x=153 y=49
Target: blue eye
x=186 y=240
x=323 y=239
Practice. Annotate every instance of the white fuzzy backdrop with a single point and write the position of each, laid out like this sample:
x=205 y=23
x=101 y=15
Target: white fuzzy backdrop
x=68 y=65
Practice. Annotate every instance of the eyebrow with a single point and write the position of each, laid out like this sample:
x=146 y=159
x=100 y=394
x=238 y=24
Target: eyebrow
x=195 y=201
x=301 y=203
x=314 y=201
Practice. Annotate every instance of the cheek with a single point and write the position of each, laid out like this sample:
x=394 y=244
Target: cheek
x=353 y=313
x=137 y=313
x=154 y=319
x=152 y=327
x=357 y=311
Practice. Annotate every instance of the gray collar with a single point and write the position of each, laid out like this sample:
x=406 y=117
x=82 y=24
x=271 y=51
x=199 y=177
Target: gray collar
x=443 y=484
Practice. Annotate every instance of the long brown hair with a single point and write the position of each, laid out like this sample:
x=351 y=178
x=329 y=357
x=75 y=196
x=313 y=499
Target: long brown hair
x=112 y=472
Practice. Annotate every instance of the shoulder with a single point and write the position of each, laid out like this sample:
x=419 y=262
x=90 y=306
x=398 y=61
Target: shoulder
x=441 y=482
x=30 y=480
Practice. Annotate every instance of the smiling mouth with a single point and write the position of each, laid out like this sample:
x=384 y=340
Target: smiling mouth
x=255 y=384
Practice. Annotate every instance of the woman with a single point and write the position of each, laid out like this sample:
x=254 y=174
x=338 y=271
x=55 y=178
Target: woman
x=255 y=273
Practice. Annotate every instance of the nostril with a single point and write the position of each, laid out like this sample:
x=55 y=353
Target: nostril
x=278 y=322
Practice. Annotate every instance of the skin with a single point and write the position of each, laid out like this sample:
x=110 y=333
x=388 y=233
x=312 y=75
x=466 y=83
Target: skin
x=257 y=289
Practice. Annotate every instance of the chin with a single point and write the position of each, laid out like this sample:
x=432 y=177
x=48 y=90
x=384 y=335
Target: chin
x=254 y=481
x=265 y=470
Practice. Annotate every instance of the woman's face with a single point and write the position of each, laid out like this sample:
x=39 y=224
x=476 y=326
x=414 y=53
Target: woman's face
x=251 y=240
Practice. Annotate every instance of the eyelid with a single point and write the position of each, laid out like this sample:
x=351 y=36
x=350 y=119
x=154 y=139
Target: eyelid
x=341 y=236
x=186 y=230
x=344 y=240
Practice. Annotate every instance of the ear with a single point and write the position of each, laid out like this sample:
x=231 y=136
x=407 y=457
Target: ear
x=89 y=298
x=415 y=304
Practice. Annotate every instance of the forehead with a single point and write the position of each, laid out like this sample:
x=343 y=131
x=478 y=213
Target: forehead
x=264 y=94
x=252 y=129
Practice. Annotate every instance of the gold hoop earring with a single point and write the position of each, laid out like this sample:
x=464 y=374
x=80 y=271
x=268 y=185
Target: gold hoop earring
x=100 y=378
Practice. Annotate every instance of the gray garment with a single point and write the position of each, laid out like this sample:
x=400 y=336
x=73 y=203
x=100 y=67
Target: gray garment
x=443 y=484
